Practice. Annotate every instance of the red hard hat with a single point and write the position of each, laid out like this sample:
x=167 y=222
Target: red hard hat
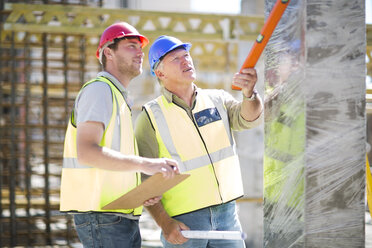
x=118 y=30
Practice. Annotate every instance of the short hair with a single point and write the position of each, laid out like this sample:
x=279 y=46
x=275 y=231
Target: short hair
x=113 y=46
x=159 y=66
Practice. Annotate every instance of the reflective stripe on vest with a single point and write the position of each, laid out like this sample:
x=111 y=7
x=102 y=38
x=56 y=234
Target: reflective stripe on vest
x=191 y=163
x=203 y=147
x=85 y=188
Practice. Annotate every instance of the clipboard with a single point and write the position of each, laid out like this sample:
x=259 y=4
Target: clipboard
x=155 y=185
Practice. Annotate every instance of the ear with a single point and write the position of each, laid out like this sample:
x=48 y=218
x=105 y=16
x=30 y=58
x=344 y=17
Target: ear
x=107 y=52
x=159 y=74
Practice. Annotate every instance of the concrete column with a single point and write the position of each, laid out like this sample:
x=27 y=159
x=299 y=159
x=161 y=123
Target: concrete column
x=314 y=155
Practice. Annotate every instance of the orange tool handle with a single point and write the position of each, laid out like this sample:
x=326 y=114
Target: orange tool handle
x=264 y=36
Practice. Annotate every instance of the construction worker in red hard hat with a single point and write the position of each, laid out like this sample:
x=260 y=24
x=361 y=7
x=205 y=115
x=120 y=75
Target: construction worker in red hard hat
x=101 y=161
x=194 y=127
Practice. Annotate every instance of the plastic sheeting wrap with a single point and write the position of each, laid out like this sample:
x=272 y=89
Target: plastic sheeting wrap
x=315 y=126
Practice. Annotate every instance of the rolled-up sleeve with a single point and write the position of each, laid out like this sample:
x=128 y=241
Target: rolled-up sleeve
x=237 y=122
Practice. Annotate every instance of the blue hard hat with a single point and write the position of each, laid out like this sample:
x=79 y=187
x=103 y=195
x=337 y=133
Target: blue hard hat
x=161 y=46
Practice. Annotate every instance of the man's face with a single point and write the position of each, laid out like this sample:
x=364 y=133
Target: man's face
x=128 y=57
x=177 y=67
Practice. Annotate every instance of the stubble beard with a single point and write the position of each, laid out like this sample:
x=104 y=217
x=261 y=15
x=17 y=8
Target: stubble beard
x=131 y=71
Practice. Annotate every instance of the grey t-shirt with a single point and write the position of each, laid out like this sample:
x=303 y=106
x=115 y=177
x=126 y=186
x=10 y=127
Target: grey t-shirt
x=95 y=100
x=94 y=104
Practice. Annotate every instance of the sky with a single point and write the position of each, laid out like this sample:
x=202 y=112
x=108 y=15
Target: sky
x=369 y=11
x=217 y=6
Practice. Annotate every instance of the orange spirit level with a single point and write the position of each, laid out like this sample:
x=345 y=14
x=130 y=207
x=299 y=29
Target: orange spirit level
x=264 y=36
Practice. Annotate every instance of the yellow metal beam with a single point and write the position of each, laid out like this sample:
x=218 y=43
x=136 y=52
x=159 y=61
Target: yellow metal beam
x=92 y=21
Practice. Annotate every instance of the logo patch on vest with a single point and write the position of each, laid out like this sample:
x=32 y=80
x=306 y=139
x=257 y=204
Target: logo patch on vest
x=207 y=116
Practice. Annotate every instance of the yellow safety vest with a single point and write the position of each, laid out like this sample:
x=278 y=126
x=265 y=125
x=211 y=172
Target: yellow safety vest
x=85 y=188
x=204 y=148
x=284 y=149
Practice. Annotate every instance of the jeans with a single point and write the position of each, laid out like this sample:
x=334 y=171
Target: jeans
x=106 y=230
x=217 y=218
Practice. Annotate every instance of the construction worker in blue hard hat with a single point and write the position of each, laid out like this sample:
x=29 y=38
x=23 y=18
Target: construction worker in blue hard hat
x=100 y=159
x=194 y=127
